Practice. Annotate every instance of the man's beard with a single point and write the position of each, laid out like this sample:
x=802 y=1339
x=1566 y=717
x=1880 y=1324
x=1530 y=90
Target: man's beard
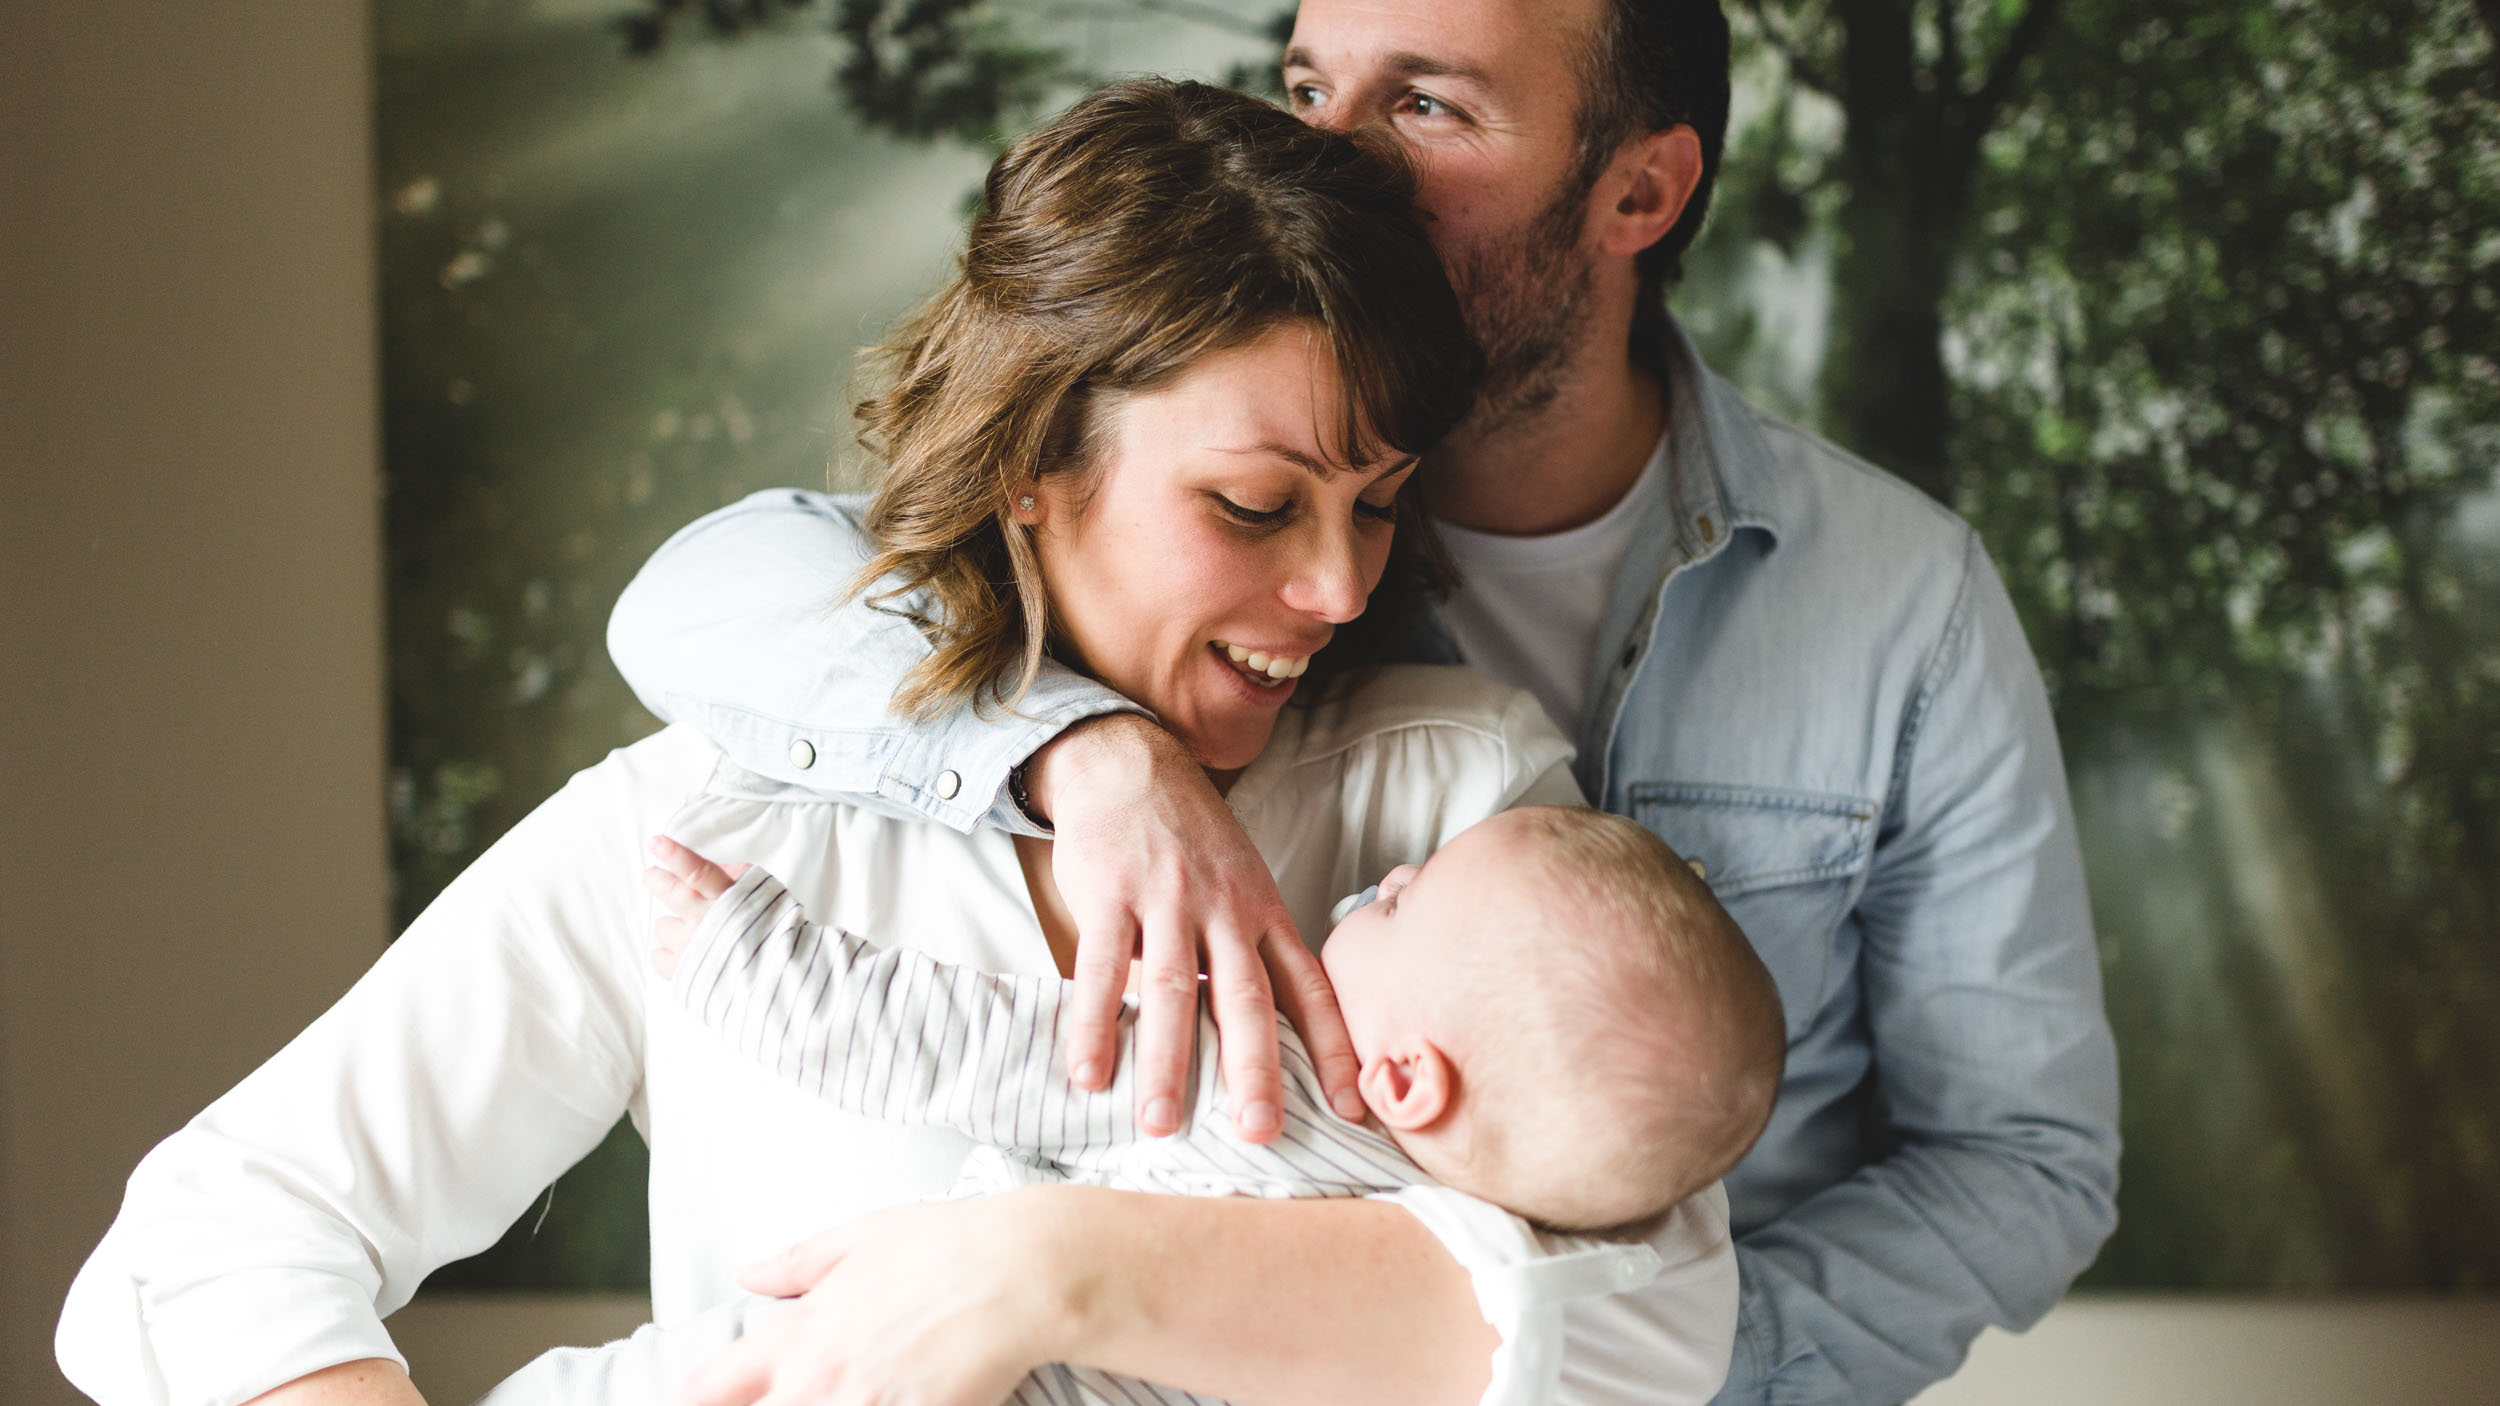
x=1523 y=297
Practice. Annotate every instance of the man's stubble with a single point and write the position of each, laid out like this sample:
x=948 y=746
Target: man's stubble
x=1524 y=296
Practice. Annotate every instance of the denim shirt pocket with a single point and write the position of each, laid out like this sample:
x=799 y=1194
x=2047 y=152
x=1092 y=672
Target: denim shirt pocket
x=1786 y=863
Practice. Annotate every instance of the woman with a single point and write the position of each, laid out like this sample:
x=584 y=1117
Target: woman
x=1157 y=423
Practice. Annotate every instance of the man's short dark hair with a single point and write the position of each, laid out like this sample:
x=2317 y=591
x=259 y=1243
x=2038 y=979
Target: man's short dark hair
x=1650 y=65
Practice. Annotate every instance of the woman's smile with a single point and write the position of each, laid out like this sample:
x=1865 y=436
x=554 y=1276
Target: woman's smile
x=1270 y=670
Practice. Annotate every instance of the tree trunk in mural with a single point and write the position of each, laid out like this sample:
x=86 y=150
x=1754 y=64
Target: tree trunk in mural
x=1919 y=88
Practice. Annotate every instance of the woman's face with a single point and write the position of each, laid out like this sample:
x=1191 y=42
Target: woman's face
x=1218 y=542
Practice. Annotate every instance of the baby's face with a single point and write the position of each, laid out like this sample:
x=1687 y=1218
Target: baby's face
x=1390 y=959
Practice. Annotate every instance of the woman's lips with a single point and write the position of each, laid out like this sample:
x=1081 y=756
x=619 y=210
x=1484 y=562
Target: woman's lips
x=1267 y=670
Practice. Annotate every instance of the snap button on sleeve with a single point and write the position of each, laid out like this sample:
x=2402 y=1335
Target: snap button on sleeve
x=802 y=754
x=948 y=783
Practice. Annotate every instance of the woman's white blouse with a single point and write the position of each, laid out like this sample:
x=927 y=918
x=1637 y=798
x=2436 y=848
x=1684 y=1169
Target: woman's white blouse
x=501 y=1036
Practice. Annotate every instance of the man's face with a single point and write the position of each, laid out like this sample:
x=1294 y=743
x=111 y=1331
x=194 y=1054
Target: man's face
x=1484 y=96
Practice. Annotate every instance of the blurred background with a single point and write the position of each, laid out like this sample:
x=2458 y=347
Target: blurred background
x=2209 y=290
x=2192 y=312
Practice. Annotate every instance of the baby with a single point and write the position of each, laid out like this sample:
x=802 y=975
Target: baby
x=1560 y=1030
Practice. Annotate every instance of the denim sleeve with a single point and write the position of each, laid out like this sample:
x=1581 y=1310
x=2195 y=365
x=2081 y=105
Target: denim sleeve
x=1996 y=1075
x=738 y=626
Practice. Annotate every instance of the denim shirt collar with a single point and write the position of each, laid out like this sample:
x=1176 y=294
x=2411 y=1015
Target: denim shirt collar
x=1721 y=482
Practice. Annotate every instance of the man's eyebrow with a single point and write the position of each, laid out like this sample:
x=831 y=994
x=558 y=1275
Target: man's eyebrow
x=1316 y=467
x=1405 y=65
x=1426 y=66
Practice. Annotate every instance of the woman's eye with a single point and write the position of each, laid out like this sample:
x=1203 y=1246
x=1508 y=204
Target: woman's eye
x=1255 y=517
x=1376 y=512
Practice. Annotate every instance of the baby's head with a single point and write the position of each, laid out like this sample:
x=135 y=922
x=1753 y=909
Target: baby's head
x=1555 y=1014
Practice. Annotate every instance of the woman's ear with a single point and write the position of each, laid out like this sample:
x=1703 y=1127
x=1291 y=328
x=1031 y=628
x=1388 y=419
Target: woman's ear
x=1409 y=1089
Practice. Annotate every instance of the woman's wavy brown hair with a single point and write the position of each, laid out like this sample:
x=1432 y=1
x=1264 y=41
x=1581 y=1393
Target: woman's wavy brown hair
x=1152 y=224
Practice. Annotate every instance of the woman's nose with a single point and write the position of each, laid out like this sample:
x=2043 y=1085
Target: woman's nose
x=1333 y=584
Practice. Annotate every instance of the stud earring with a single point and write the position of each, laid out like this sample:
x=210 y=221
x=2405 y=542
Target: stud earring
x=1025 y=503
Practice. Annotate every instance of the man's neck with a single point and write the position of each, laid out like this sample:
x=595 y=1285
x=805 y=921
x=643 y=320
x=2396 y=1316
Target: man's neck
x=1563 y=466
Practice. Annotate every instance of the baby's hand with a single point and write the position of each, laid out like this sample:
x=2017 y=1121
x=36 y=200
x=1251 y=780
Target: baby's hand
x=685 y=883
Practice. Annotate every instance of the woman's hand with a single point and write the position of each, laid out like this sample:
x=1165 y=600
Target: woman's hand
x=1152 y=864
x=939 y=1304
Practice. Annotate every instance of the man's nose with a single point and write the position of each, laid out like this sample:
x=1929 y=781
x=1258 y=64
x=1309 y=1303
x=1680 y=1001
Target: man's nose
x=1336 y=117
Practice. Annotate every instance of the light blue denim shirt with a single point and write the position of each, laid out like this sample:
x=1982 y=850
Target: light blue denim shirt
x=1814 y=687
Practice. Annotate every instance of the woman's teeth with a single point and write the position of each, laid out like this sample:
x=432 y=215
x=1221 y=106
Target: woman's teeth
x=1277 y=667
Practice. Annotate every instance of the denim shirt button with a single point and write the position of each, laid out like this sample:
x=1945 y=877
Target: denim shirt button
x=1700 y=870
x=802 y=754
x=948 y=783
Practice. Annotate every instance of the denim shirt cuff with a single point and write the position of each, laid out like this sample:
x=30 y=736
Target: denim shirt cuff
x=955 y=773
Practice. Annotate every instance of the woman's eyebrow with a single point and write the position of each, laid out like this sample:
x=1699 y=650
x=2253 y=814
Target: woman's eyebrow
x=1316 y=467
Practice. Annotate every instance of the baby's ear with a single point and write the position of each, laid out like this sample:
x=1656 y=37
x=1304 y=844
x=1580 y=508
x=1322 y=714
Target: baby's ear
x=1410 y=1088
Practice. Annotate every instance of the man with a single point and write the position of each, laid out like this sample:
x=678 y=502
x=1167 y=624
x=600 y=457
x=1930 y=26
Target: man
x=1799 y=672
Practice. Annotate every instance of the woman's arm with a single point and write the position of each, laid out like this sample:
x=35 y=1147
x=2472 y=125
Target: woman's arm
x=1257 y=1301
x=370 y=1382
x=491 y=1046
x=1264 y=1303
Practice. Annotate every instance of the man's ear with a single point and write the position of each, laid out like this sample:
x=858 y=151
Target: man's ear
x=1646 y=188
x=1409 y=1089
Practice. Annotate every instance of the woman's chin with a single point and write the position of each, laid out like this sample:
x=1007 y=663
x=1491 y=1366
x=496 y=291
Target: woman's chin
x=1226 y=744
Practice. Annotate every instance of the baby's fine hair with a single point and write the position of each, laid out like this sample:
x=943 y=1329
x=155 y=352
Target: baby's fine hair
x=1636 y=1042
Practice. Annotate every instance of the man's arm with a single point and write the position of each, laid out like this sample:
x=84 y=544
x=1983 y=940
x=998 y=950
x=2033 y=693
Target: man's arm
x=1994 y=1061
x=737 y=626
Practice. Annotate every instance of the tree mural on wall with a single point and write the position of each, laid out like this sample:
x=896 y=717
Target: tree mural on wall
x=2192 y=313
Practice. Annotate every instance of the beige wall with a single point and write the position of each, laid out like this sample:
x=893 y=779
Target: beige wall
x=191 y=844
x=191 y=860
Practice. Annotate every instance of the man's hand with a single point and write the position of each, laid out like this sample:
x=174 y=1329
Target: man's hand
x=1152 y=864
x=686 y=884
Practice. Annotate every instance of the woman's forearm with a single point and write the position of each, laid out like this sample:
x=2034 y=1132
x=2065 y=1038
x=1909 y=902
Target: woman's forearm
x=371 y=1382
x=1267 y=1302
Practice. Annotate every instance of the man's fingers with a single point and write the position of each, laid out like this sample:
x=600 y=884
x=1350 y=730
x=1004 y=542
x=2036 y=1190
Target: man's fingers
x=1167 y=1025
x=1245 y=1016
x=1306 y=998
x=1091 y=1030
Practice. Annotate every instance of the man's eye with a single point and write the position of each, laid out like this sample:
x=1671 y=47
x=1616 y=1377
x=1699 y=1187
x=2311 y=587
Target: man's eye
x=1303 y=94
x=1426 y=105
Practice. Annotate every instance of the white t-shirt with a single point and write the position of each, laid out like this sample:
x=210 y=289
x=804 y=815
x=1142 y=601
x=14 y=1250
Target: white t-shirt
x=1528 y=610
x=506 y=1031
